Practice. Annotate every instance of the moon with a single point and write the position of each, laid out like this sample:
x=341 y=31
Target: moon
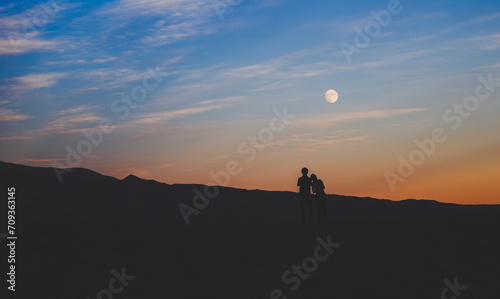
x=331 y=96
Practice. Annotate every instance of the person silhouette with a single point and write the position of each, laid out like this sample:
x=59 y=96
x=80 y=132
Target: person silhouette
x=304 y=183
x=319 y=189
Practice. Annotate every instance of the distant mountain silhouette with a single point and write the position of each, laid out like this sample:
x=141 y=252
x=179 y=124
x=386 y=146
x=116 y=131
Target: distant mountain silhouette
x=85 y=195
x=78 y=231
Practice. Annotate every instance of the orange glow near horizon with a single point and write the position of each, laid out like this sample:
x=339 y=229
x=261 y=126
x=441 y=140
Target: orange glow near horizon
x=360 y=175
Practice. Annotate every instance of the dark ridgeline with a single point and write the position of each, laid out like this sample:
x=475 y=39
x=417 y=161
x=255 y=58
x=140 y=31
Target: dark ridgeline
x=73 y=234
x=85 y=195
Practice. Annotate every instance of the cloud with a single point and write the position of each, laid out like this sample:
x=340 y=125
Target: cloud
x=32 y=81
x=101 y=60
x=20 y=32
x=83 y=61
x=175 y=8
x=172 y=20
x=11 y=115
x=164 y=34
x=14 y=87
x=320 y=140
x=18 y=137
x=121 y=75
x=273 y=86
x=332 y=141
x=17 y=45
x=76 y=109
x=224 y=100
x=200 y=107
x=324 y=120
x=174 y=114
x=487 y=18
x=489 y=66
x=110 y=78
x=283 y=67
x=418 y=18
x=482 y=43
x=271 y=74
x=395 y=58
x=6 y=7
x=70 y=124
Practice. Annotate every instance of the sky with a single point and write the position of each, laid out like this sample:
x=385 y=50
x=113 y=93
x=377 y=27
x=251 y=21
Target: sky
x=233 y=93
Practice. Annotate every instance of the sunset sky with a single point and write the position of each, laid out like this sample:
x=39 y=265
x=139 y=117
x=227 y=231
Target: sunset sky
x=184 y=84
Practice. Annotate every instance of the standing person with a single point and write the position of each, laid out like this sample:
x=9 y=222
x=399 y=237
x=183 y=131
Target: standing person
x=304 y=183
x=319 y=189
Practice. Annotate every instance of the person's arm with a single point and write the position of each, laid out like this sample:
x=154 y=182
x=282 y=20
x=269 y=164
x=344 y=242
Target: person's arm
x=298 y=182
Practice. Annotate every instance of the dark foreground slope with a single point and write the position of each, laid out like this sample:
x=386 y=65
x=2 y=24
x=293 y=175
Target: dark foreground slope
x=88 y=196
x=376 y=259
x=79 y=237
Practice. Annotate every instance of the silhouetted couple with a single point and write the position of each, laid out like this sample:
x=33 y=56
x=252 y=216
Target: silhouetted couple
x=305 y=183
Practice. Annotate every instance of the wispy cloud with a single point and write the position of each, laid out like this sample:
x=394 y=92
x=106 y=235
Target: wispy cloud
x=321 y=140
x=175 y=8
x=18 y=138
x=228 y=101
x=112 y=77
x=11 y=115
x=200 y=107
x=22 y=32
x=83 y=61
x=485 y=42
x=6 y=7
x=18 y=44
x=171 y=20
x=272 y=86
x=487 y=18
x=490 y=66
x=69 y=124
x=423 y=17
x=163 y=33
x=76 y=109
x=325 y=120
x=161 y=117
x=32 y=81
x=269 y=74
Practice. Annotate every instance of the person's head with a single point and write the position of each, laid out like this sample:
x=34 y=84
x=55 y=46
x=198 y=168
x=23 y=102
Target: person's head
x=313 y=177
x=305 y=171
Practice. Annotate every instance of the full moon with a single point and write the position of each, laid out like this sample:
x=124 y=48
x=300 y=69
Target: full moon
x=331 y=96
